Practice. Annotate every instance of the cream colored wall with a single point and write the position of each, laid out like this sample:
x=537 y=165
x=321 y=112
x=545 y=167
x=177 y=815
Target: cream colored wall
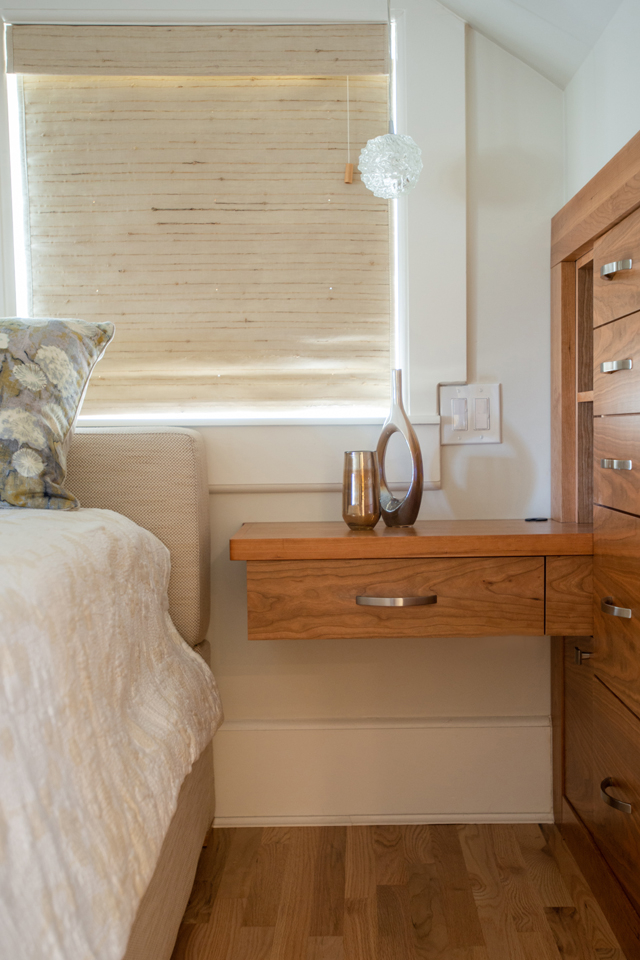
x=602 y=106
x=419 y=729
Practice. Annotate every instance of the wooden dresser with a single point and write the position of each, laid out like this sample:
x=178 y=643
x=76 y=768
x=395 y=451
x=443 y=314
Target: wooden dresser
x=597 y=452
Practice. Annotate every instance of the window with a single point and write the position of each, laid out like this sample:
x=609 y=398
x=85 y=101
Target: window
x=187 y=183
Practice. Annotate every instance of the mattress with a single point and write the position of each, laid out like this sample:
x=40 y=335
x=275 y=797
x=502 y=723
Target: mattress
x=103 y=711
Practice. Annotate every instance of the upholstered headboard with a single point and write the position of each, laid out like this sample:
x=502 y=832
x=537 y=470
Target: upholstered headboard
x=156 y=476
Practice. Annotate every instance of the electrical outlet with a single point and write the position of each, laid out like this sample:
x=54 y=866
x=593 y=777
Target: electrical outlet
x=470 y=413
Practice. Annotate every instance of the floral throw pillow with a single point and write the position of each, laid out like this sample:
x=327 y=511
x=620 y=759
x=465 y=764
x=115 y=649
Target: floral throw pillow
x=45 y=367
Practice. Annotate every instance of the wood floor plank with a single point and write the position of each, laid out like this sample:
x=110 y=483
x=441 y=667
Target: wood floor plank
x=208 y=876
x=329 y=884
x=360 y=864
x=360 y=929
x=214 y=940
x=394 y=941
x=294 y=914
x=542 y=868
x=237 y=875
x=252 y=943
x=588 y=914
x=325 y=948
x=391 y=863
x=417 y=843
x=267 y=878
x=426 y=911
x=490 y=891
x=458 y=903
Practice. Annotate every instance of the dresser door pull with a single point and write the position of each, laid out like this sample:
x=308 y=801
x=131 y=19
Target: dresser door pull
x=580 y=655
x=397 y=601
x=608 y=606
x=611 y=366
x=607 y=464
x=616 y=804
x=608 y=270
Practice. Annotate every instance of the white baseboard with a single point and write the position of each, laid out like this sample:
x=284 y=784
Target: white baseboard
x=381 y=723
x=349 y=819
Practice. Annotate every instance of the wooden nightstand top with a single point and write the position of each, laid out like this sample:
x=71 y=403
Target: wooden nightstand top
x=429 y=538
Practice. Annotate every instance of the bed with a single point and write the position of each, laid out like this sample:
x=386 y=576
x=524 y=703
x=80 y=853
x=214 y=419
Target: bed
x=157 y=479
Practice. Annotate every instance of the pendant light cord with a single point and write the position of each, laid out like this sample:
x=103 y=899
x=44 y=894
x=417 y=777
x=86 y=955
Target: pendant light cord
x=348 y=125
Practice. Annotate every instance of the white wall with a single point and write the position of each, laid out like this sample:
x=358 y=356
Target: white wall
x=420 y=729
x=602 y=102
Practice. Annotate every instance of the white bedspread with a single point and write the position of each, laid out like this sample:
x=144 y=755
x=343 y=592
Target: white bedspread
x=103 y=710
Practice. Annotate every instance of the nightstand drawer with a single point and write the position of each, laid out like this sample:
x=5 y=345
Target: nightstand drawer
x=616 y=582
x=616 y=462
x=317 y=599
x=617 y=293
x=617 y=345
x=616 y=768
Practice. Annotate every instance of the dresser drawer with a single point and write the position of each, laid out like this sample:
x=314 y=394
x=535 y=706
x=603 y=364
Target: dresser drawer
x=620 y=295
x=616 y=757
x=616 y=462
x=578 y=726
x=616 y=575
x=316 y=599
x=619 y=391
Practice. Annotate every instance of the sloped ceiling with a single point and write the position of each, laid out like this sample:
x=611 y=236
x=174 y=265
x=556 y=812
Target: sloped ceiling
x=552 y=36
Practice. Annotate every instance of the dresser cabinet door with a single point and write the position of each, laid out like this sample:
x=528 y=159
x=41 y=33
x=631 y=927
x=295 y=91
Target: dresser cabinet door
x=618 y=343
x=618 y=293
x=616 y=769
x=616 y=462
x=616 y=582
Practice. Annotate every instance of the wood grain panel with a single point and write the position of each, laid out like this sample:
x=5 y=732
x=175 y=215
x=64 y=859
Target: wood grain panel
x=578 y=713
x=619 y=296
x=430 y=538
x=557 y=724
x=564 y=505
x=585 y=462
x=612 y=194
x=616 y=754
x=568 y=598
x=617 y=392
x=238 y=50
x=616 y=574
x=617 y=438
x=317 y=599
x=584 y=279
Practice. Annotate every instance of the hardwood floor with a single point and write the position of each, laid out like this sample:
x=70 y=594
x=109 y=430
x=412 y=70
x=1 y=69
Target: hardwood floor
x=437 y=892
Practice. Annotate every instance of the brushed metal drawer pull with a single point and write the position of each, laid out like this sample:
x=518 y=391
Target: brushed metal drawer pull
x=616 y=804
x=580 y=655
x=607 y=464
x=608 y=606
x=608 y=270
x=611 y=366
x=397 y=601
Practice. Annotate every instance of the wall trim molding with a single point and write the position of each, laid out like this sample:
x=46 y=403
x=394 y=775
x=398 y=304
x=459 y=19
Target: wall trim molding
x=380 y=723
x=543 y=816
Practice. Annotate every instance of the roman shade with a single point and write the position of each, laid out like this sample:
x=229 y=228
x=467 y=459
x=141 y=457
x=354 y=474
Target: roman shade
x=187 y=184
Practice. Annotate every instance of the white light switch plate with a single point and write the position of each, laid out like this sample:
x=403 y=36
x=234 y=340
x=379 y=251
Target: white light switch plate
x=470 y=413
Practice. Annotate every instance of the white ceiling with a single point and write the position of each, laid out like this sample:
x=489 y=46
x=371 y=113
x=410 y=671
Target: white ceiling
x=553 y=36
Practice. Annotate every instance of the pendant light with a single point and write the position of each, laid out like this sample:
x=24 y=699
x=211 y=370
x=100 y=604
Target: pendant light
x=390 y=165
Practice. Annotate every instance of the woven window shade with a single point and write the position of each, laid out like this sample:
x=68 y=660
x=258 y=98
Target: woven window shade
x=208 y=218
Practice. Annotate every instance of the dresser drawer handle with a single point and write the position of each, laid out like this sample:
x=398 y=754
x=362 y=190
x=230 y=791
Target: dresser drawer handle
x=616 y=804
x=607 y=464
x=608 y=606
x=608 y=270
x=397 y=601
x=611 y=366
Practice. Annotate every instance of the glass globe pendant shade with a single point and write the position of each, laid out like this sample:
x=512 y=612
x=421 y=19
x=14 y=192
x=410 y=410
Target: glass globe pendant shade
x=390 y=165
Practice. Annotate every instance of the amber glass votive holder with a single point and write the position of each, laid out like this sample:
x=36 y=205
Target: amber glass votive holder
x=361 y=489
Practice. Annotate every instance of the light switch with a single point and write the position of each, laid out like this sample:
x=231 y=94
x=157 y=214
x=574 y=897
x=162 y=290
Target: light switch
x=482 y=414
x=470 y=413
x=459 y=414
